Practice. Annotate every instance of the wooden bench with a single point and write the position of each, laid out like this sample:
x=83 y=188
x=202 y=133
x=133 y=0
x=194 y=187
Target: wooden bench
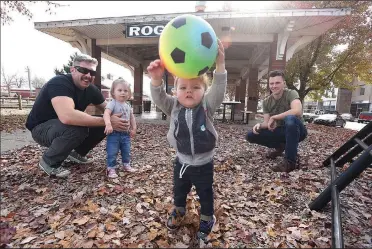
x=246 y=114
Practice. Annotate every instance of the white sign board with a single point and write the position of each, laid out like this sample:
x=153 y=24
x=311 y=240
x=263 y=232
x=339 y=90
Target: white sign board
x=144 y=30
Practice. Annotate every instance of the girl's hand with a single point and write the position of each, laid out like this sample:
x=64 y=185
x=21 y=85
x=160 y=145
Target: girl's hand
x=156 y=69
x=220 y=61
x=108 y=129
x=132 y=133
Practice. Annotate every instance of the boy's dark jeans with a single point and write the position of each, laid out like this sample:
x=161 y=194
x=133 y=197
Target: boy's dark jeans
x=202 y=178
x=61 y=139
x=290 y=134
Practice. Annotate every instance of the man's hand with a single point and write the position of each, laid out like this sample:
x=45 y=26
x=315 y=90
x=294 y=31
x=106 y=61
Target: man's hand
x=119 y=124
x=256 y=128
x=271 y=125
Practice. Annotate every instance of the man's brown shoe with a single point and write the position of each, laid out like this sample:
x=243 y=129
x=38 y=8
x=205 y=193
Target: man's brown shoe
x=284 y=166
x=272 y=154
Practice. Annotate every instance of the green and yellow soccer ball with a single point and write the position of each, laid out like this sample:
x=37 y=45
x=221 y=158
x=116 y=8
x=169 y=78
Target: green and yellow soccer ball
x=188 y=46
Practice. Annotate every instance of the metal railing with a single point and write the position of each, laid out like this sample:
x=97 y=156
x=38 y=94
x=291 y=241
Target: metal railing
x=359 y=145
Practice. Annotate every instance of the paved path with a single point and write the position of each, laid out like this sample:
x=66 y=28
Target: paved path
x=15 y=140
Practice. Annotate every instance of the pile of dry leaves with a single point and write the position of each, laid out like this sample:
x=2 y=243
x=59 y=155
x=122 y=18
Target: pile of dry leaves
x=255 y=207
x=9 y=123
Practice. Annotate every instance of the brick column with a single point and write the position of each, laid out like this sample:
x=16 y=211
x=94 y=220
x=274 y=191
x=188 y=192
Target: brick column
x=275 y=64
x=138 y=85
x=252 y=94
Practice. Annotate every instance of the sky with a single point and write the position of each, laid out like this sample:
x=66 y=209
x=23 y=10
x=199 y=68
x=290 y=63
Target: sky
x=22 y=45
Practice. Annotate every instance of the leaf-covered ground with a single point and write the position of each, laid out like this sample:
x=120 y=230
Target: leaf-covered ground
x=255 y=207
x=10 y=123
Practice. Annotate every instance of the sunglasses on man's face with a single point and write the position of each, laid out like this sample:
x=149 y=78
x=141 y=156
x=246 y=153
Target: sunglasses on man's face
x=84 y=70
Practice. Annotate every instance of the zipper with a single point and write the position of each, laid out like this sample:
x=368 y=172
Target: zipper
x=189 y=122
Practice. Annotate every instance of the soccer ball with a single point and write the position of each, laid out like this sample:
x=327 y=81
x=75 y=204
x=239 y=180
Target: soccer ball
x=188 y=46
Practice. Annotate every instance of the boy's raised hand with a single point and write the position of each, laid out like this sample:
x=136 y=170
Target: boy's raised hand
x=156 y=70
x=220 y=61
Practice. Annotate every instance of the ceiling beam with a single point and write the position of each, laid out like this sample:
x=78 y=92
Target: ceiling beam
x=300 y=43
x=121 y=56
x=282 y=40
x=234 y=38
x=117 y=61
x=256 y=55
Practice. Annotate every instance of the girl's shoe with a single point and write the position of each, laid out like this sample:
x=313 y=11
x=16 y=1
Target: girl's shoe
x=127 y=167
x=111 y=173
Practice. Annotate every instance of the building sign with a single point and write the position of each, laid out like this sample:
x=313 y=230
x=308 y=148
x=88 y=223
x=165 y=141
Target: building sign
x=144 y=30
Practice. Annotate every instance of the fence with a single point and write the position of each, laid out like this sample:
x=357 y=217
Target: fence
x=17 y=102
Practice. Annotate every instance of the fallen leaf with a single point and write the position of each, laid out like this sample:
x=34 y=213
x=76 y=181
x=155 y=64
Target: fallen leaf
x=180 y=245
x=139 y=208
x=27 y=240
x=81 y=221
x=126 y=221
x=60 y=235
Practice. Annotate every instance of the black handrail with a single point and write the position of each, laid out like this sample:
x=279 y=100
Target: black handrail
x=337 y=238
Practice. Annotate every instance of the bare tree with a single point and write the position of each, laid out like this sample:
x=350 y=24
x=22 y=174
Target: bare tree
x=38 y=82
x=19 y=81
x=9 y=8
x=8 y=80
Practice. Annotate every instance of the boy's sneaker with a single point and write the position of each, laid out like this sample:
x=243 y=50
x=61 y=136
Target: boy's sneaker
x=205 y=228
x=175 y=219
x=111 y=173
x=127 y=167
x=60 y=171
x=77 y=158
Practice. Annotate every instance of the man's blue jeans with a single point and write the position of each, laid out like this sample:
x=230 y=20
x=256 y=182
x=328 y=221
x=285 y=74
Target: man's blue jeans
x=117 y=141
x=290 y=134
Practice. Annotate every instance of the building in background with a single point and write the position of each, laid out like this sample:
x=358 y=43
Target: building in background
x=361 y=98
x=347 y=101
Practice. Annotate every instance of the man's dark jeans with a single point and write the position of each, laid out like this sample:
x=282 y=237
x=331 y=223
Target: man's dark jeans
x=290 y=134
x=61 y=139
x=202 y=178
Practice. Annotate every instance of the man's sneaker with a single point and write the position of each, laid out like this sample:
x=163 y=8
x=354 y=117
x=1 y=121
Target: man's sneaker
x=127 y=167
x=75 y=157
x=60 y=171
x=272 y=154
x=284 y=166
x=205 y=228
x=111 y=173
x=175 y=219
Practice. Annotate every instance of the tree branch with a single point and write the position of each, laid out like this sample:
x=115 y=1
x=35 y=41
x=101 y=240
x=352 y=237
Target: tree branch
x=329 y=78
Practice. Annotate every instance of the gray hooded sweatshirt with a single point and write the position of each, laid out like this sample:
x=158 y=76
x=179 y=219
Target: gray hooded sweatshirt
x=191 y=130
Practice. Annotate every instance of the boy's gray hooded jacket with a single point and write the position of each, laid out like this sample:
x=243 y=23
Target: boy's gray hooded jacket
x=191 y=131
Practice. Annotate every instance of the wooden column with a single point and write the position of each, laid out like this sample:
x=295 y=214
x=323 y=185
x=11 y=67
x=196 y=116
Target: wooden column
x=96 y=53
x=138 y=86
x=240 y=92
x=252 y=100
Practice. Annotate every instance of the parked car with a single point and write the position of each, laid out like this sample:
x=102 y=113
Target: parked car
x=309 y=117
x=348 y=117
x=365 y=117
x=330 y=119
